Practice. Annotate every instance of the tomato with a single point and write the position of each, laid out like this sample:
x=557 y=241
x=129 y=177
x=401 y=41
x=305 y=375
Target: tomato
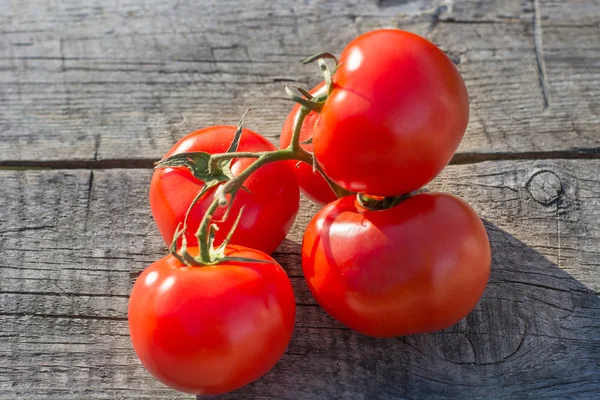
x=270 y=205
x=417 y=267
x=210 y=330
x=312 y=183
x=395 y=117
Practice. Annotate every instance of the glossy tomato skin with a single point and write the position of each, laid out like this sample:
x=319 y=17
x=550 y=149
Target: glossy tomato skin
x=312 y=183
x=397 y=113
x=418 y=267
x=210 y=330
x=271 y=204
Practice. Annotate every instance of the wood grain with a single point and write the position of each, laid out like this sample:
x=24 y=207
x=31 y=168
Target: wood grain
x=115 y=84
x=94 y=92
x=73 y=242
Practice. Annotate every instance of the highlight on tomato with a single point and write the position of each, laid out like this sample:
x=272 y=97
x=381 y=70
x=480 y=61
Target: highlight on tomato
x=417 y=267
x=395 y=116
x=270 y=200
x=212 y=329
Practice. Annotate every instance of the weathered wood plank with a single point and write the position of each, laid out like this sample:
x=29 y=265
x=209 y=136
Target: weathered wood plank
x=72 y=243
x=121 y=80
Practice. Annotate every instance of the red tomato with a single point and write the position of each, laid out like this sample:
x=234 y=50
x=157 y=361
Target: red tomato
x=270 y=207
x=314 y=186
x=210 y=330
x=397 y=113
x=417 y=267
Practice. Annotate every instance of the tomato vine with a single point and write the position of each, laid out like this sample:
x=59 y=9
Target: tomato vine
x=214 y=169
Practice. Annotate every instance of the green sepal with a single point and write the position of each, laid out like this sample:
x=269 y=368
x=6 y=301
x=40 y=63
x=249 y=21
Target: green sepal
x=220 y=260
x=245 y=189
x=245 y=260
x=318 y=56
x=200 y=165
x=304 y=92
x=238 y=134
x=219 y=252
x=310 y=104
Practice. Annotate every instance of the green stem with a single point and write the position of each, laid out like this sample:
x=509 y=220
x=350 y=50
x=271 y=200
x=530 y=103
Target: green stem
x=298 y=122
x=202 y=232
x=241 y=154
x=303 y=155
x=232 y=186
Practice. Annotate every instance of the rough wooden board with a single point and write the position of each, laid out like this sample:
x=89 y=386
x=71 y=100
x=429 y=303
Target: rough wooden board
x=121 y=80
x=72 y=242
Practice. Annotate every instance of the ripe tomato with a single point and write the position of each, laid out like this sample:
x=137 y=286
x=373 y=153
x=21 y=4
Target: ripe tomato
x=271 y=204
x=395 y=117
x=417 y=267
x=314 y=186
x=210 y=330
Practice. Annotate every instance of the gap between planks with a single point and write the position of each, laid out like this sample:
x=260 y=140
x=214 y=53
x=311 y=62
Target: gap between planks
x=147 y=163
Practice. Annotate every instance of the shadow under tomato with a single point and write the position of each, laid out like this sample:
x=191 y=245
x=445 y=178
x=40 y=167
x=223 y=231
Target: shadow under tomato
x=534 y=331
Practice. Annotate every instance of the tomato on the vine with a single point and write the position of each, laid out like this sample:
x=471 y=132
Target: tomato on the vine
x=395 y=117
x=212 y=329
x=312 y=183
x=270 y=203
x=417 y=267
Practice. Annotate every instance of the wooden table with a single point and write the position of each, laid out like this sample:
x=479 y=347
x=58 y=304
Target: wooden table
x=91 y=93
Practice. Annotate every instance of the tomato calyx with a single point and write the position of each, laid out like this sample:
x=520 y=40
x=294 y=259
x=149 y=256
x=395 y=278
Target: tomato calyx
x=378 y=203
x=215 y=255
x=205 y=167
x=308 y=101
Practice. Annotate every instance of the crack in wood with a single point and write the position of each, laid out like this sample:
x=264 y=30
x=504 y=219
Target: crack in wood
x=148 y=163
x=61 y=47
x=27 y=228
x=577 y=154
x=63 y=316
x=392 y=3
x=63 y=293
x=89 y=197
x=539 y=52
x=141 y=163
x=558 y=250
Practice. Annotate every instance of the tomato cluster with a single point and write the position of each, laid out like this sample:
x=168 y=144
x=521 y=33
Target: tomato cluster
x=387 y=260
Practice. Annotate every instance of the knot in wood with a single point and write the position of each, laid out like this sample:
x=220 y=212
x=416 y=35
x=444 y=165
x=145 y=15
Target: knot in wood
x=545 y=187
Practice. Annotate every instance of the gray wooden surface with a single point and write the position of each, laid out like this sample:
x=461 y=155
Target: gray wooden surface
x=92 y=92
